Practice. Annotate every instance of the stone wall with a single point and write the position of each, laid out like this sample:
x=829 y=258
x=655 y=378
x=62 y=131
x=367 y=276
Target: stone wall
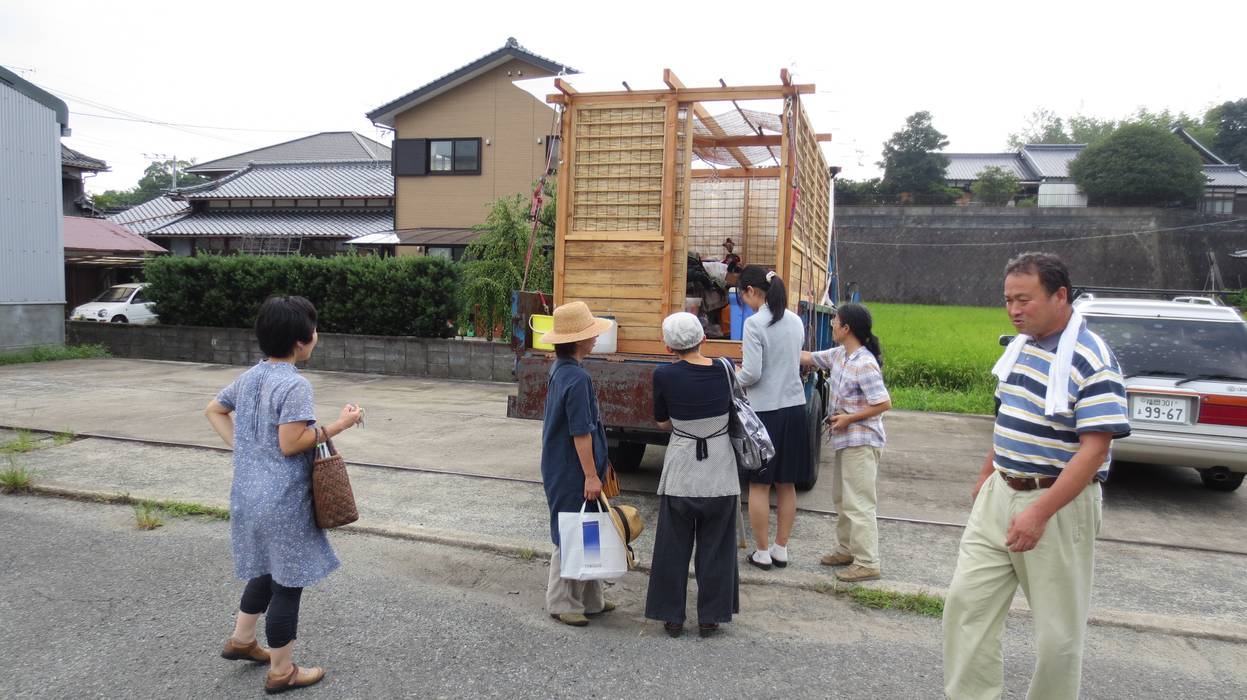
x=956 y=255
x=422 y=357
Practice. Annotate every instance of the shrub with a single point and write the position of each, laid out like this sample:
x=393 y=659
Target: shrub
x=995 y=186
x=1028 y=202
x=1139 y=165
x=357 y=294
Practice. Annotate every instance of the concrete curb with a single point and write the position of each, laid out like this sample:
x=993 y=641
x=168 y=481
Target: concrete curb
x=1140 y=622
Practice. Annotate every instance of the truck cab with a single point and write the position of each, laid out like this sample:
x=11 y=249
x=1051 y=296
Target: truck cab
x=651 y=185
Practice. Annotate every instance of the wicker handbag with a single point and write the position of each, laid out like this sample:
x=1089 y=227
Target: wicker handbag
x=610 y=487
x=333 y=501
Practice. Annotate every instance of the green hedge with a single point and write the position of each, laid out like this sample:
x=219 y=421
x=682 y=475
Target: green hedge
x=356 y=294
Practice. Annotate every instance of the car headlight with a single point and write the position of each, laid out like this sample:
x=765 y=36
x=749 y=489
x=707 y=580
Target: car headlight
x=102 y=313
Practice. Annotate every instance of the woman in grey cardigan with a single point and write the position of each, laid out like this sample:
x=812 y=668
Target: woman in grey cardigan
x=699 y=487
x=771 y=374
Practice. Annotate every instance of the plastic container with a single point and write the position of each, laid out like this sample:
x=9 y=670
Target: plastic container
x=607 y=342
x=740 y=312
x=540 y=324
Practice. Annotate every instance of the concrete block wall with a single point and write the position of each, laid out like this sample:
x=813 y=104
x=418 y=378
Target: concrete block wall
x=376 y=354
x=957 y=255
x=31 y=325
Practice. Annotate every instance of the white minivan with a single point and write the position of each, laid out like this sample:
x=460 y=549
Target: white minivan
x=122 y=303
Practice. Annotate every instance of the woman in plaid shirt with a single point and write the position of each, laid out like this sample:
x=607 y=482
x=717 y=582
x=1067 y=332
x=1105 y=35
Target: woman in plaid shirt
x=858 y=400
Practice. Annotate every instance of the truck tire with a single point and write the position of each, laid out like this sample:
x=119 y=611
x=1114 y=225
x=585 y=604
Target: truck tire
x=1221 y=479
x=815 y=411
x=627 y=456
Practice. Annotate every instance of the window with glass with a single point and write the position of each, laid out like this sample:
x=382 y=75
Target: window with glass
x=1174 y=347
x=455 y=156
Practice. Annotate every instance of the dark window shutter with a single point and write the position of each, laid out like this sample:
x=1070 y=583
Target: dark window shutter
x=410 y=157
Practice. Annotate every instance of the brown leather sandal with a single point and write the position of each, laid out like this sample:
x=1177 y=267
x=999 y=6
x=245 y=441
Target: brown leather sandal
x=297 y=678
x=244 y=652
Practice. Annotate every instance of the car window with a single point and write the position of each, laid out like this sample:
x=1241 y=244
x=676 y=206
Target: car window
x=1190 y=347
x=139 y=298
x=113 y=294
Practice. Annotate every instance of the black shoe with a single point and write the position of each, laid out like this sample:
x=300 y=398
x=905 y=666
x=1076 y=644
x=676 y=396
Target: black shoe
x=760 y=565
x=709 y=630
x=779 y=564
x=673 y=629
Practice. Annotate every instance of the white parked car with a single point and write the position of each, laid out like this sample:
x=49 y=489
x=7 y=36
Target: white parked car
x=123 y=303
x=1185 y=365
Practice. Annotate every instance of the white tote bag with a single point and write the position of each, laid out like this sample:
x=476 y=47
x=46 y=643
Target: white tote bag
x=590 y=546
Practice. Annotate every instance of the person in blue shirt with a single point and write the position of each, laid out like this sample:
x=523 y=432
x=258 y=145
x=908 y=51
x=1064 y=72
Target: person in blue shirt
x=573 y=452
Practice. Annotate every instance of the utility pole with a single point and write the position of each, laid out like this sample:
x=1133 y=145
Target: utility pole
x=173 y=166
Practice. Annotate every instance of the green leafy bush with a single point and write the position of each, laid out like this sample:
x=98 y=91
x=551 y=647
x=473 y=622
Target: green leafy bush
x=356 y=294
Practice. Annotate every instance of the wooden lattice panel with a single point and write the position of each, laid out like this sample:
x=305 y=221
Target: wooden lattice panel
x=810 y=234
x=618 y=168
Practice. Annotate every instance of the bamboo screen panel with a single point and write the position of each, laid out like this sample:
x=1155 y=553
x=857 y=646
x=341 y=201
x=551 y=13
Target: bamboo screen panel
x=809 y=226
x=617 y=160
x=743 y=209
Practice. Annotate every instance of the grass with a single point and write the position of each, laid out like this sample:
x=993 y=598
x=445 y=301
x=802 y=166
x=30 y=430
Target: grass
x=49 y=353
x=23 y=443
x=15 y=479
x=920 y=603
x=938 y=358
x=527 y=554
x=63 y=438
x=182 y=509
x=147 y=516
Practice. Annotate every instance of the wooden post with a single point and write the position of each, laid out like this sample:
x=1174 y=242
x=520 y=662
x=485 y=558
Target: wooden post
x=562 y=207
x=783 y=235
x=668 y=198
x=744 y=224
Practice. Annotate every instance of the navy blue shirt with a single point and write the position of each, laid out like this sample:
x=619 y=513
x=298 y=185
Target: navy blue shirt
x=686 y=391
x=571 y=410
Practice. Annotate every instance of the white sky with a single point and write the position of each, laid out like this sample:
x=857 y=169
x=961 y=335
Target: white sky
x=304 y=67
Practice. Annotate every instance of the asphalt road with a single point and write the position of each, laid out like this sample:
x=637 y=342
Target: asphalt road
x=926 y=472
x=94 y=608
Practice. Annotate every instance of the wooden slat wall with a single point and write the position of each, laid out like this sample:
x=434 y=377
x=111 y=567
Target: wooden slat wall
x=810 y=233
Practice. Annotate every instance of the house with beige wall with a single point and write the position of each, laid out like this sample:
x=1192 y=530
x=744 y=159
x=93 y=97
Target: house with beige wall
x=464 y=140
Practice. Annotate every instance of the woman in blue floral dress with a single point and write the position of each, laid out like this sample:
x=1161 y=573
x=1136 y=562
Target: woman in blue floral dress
x=266 y=414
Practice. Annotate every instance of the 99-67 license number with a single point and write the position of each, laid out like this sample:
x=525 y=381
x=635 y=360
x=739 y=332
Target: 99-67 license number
x=1160 y=409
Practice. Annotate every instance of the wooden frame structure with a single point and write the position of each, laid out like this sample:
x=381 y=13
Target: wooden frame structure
x=628 y=195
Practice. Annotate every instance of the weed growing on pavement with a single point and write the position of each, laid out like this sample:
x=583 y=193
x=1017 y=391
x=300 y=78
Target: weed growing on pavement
x=63 y=438
x=921 y=603
x=147 y=516
x=51 y=353
x=15 y=479
x=180 y=509
x=527 y=554
x=24 y=442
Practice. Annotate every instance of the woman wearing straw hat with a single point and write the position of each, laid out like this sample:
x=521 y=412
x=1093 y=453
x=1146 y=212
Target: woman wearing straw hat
x=699 y=488
x=573 y=452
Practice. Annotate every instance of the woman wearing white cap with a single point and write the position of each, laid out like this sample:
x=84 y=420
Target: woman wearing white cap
x=573 y=452
x=699 y=488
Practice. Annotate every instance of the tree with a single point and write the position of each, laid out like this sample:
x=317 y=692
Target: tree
x=1042 y=126
x=995 y=185
x=911 y=162
x=1139 y=165
x=1229 y=119
x=493 y=266
x=157 y=180
x=850 y=192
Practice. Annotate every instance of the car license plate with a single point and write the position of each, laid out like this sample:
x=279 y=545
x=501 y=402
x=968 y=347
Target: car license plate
x=1160 y=409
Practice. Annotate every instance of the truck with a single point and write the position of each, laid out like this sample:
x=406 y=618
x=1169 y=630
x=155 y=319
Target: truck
x=651 y=186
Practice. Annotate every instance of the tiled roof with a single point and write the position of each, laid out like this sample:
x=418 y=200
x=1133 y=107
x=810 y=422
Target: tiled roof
x=1206 y=155
x=1225 y=176
x=77 y=159
x=359 y=179
x=1051 y=160
x=322 y=147
x=511 y=50
x=82 y=233
x=151 y=214
x=967 y=166
x=437 y=236
x=303 y=223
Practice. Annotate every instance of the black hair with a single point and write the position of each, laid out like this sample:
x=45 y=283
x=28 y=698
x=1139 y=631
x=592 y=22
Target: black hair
x=860 y=323
x=565 y=351
x=282 y=322
x=776 y=293
x=1051 y=270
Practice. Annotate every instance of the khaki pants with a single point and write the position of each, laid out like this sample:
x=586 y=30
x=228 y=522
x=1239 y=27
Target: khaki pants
x=565 y=595
x=853 y=492
x=1055 y=576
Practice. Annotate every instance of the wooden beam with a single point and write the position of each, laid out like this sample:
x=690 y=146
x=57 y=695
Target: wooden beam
x=564 y=87
x=707 y=94
x=669 y=77
x=670 y=141
x=785 y=77
x=736 y=172
x=562 y=206
x=736 y=141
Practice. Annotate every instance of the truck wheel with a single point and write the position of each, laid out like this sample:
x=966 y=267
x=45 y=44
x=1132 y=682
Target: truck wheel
x=627 y=456
x=1221 y=479
x=814 y=428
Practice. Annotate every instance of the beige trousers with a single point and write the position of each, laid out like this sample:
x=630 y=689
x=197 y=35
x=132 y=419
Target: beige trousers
x=1055 y=576
x=565 y=595
x=853 y=492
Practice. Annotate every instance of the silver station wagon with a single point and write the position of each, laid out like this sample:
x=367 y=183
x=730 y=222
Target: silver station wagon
x=1185 y=365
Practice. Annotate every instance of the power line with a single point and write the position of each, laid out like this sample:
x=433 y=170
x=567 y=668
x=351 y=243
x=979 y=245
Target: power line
x=190 y=126
x=1038 y=242
x=140 y=117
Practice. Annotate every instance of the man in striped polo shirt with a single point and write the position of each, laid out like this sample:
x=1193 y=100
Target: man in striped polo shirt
x=1037 y=501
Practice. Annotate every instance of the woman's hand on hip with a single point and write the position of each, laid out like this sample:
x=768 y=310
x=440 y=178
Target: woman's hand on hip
x=593 y=488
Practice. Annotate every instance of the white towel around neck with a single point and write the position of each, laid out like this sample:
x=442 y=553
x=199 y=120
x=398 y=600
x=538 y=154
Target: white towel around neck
x=1056 y=401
